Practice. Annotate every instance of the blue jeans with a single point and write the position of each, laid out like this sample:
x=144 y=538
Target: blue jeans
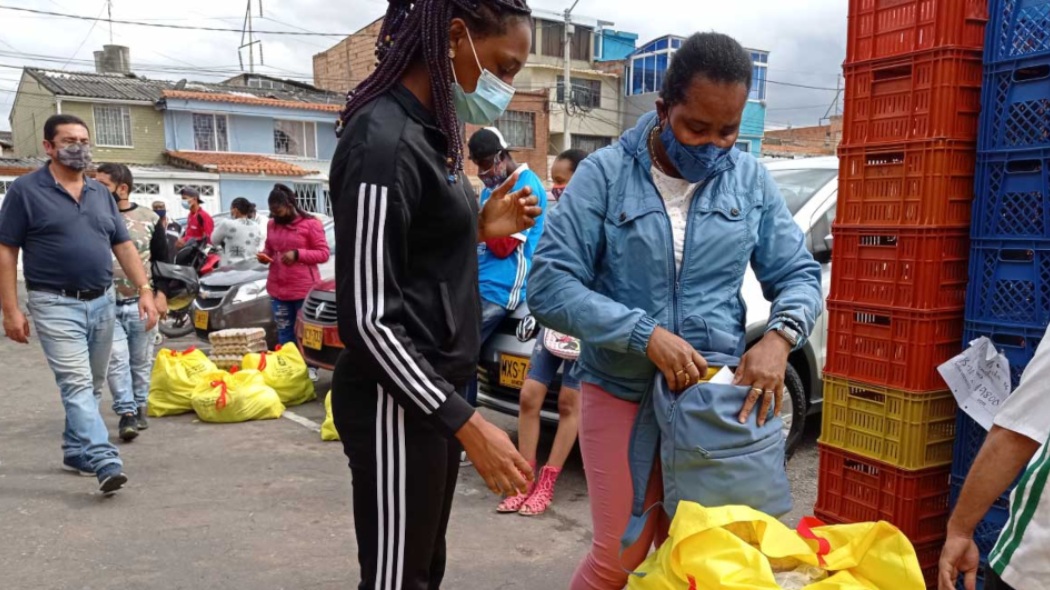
x=131 y=362
x=491 y=316
x=284 y=315
x=77 y=337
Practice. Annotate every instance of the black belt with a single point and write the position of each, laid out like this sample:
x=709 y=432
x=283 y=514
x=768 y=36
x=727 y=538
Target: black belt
x=79 y=294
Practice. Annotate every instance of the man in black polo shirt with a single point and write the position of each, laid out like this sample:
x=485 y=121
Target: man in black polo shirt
x=68 y=227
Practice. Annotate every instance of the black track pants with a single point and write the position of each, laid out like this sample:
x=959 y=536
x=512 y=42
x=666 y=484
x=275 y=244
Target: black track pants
x=404 y=478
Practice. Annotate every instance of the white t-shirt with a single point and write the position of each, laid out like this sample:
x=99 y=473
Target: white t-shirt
x=240 y=239
x=677 y=194
x=1022 y=555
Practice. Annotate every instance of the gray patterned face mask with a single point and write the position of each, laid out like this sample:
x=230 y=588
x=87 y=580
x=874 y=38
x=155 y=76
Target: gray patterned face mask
x=76 y=156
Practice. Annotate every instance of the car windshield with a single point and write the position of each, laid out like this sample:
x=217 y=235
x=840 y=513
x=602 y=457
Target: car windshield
x=800 y=185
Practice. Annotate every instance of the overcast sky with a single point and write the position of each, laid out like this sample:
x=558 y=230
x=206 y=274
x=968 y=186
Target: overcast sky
x=807 y=39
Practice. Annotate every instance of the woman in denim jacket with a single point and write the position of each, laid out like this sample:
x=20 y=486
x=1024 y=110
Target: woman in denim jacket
x=643 y=260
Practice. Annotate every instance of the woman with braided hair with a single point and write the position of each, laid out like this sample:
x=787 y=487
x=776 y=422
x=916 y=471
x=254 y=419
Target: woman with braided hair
x=407 y=230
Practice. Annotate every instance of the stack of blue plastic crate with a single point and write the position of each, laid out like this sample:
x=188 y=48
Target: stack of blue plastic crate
x=1008 y=299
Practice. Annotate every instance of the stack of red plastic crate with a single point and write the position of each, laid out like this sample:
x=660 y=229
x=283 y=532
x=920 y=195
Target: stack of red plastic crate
x=901 y=253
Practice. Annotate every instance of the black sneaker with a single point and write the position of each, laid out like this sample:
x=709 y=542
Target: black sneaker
x=141 y=423
x=77 y=466
x=111 y=479
x=128 y=428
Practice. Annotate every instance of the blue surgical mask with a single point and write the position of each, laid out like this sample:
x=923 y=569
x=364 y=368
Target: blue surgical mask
x=186 y=205
x=488 y=101
x=694 y=162
x=161 y=213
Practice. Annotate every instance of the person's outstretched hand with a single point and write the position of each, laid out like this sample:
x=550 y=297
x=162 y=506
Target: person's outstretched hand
x=507 y=213
x=959 y=556
x=493 y=454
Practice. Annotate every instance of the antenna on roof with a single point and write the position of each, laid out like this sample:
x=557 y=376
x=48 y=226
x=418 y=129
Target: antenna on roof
x=249 y=34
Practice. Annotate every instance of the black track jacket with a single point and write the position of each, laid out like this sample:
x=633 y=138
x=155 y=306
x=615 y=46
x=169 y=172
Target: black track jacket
x=406 y=260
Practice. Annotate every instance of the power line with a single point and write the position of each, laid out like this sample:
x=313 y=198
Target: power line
x=168 y=26
x=88 y=36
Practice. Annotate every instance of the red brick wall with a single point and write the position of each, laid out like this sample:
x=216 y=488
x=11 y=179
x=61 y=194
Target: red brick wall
x=345 y=65
x=823 y=139
x=538 y=103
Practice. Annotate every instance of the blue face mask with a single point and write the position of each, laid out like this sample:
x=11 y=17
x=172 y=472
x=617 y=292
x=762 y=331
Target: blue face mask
x=186 y=205
x=161 y=213
x=694 y=162
x=488 y=101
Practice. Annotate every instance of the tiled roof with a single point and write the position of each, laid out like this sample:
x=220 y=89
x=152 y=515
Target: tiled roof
x=92 y=85
x=236 y=164
x=19 y=166
x=309 y=101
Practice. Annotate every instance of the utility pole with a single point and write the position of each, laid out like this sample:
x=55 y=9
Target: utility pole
x=249 y=33
x=109 y=9
x=567 y=83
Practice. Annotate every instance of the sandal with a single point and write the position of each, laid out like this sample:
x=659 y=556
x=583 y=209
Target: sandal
x=543 y=494
x=514 y=503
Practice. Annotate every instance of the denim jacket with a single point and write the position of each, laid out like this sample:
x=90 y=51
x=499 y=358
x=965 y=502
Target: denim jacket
x=605 y=272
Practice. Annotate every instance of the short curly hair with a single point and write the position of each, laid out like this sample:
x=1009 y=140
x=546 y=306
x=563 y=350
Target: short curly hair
x=717 y=57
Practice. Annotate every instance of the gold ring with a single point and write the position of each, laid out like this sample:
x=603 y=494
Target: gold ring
x=758 y=389
x=677 y=373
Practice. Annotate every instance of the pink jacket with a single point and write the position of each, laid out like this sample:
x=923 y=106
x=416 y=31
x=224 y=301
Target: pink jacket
x=292 y=282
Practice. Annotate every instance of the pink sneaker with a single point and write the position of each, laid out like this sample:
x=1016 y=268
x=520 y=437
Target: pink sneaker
x=543 y=494
x=515 y=502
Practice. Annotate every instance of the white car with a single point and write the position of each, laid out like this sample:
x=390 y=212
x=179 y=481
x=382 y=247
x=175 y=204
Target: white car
x=810 y=189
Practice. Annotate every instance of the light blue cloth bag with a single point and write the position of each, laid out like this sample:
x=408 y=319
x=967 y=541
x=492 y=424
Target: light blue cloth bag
x=707 y=455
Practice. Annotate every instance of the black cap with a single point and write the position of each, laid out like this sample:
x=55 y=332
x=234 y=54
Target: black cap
x=189 y=191
x=486 y=143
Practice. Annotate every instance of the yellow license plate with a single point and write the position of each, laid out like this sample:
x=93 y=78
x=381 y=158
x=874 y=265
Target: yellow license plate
x=200 y=319
x=512 y=371
x=313 y=337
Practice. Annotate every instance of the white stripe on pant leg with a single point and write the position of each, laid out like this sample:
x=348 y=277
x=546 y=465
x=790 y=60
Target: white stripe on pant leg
x=402 y=515
x=391 y=487
x=380 y=497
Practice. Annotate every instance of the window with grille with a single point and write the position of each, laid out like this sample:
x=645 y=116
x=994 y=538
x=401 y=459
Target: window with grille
x=210 y=133
x=5 y=185
x=205 y=190
x=295 y=138
x=146 y=188
x=112 y=126
x=744 y=145
x=590 y=143
x=518 y=128
x=585 y=93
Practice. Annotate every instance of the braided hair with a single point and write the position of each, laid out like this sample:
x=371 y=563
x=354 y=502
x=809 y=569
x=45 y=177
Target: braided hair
x=414 y=29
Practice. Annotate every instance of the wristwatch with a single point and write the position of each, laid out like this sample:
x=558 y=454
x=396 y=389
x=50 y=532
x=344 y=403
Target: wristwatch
x=788 y=334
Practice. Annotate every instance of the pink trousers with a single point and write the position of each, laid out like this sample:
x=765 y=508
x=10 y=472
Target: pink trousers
x=605 y=433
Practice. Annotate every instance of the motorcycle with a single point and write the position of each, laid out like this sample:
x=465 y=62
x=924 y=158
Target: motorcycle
x=193 y=261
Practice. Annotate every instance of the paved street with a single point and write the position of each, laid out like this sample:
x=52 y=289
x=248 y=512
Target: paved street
x=259 y=506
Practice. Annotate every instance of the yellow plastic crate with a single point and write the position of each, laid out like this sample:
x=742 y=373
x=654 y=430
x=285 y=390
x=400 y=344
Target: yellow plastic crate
x=906 y=430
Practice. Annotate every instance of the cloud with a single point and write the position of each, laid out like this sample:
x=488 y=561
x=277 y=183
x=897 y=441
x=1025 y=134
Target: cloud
x=807 y=40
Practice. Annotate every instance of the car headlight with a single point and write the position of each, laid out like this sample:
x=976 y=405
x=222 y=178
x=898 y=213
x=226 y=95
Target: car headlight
x=250 y=291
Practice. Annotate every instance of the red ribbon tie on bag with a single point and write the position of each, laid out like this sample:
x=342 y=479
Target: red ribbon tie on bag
x=220 y=404
x=805 y=529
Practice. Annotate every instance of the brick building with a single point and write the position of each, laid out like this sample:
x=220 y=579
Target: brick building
x=801 y=142
x=349 y=62
x=525 y=125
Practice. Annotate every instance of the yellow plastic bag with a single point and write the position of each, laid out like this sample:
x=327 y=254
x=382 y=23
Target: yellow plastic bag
x=738 y=548
x=285 y=371
x=175 y=377
x=328 y=431
x=235 y=397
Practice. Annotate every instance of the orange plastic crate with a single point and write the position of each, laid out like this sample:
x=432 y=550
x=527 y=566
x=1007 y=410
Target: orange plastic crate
x=901 y=267
x=887 y=28
x=905 y=430
x=932 y=95
x=855 y=489
x=891 y=348
x=914 y=184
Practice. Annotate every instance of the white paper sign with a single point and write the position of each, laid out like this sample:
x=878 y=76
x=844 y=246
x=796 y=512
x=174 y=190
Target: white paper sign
x=723 y=377
x=979 y=379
